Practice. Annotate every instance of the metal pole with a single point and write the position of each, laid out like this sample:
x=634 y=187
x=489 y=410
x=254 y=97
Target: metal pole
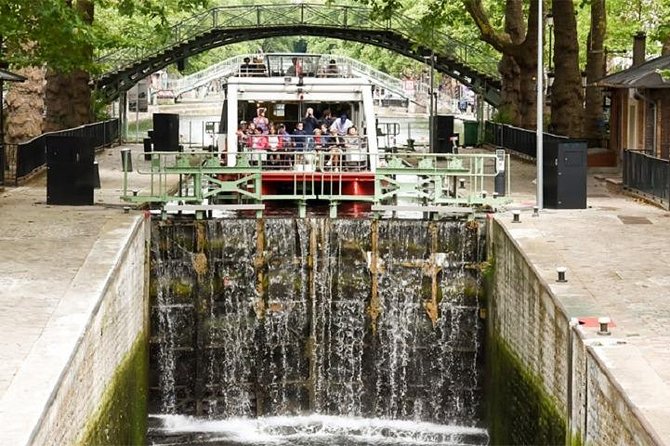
x=2 y=135
x=540 y=106
x=137 y=119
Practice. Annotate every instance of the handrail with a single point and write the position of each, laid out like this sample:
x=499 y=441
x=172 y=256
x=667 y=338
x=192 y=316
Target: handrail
x=231 y=65
x=433 y=179
x=31 y=155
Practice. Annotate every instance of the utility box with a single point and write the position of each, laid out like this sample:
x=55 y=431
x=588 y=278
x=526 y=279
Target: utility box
x=71 y=171
x=442 y=130
x=165 y=136
x=565 y=168
x=470 y=130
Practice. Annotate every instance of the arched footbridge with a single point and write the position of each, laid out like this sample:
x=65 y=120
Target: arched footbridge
x=227 y=25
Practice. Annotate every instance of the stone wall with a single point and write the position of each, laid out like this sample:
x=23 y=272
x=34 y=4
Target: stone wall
x=547 y=381
x=100 y=397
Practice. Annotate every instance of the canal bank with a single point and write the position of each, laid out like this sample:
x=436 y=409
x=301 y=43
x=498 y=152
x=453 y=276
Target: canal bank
x=615 y=390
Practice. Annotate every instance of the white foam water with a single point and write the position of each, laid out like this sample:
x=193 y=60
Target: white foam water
x=311 y=430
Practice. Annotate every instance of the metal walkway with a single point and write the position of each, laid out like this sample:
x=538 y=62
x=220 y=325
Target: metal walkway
x=226 y=25
x=230 y=66
x=430 y=183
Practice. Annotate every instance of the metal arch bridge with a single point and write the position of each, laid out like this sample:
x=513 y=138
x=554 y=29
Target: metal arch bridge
x=227 y=25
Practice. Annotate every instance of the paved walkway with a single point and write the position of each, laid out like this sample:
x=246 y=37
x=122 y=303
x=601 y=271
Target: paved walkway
x=42 y=249
x=615 y=254
x=617 y=261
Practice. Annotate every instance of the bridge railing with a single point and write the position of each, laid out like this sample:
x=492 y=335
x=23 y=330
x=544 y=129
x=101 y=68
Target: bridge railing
x=25 y=158
x=313 y=15
x=647 y=175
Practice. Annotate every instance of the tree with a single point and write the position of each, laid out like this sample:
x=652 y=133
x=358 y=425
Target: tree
x=595 y=70
x=567 y=94
x=518 y=45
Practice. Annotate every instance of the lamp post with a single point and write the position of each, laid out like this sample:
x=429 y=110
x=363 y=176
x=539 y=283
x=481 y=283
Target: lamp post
x=550 y=25
x=431 y=117
x=540 y=106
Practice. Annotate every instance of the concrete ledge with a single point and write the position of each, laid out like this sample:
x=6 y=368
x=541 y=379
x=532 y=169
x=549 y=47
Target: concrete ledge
x=29 y=399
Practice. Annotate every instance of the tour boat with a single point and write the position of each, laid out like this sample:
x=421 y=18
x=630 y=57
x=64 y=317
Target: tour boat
x=283 y=88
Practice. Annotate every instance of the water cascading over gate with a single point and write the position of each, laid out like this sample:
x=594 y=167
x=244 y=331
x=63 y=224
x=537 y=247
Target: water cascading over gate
x=371 y=318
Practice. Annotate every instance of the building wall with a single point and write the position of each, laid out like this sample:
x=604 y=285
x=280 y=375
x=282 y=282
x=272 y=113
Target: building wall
x=101 y=395
x=549 y=363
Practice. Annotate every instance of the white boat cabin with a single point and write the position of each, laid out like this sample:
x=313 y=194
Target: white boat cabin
x=282 y=88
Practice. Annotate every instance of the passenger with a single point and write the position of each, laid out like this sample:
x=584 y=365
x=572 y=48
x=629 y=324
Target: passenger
x=295 y=69
x=245 y=68
x=241 y=134
x=260 y=121
x=342 y=125
x=334 y=148
x=327 y=119
x=274 y=145
x=285 y=140
x=259 y=143
x=258 y=68
x=310 y=122
x=353 y=148
x=332 y=70
x=299 y=136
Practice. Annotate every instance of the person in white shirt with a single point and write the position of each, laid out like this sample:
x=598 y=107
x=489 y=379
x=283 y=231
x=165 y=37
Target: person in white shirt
x=342 y=125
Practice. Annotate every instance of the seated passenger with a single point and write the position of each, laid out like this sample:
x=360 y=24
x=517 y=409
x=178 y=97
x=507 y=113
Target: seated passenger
x=331 y=69
x=295 y=69
x=258 y=68
x=245 y=68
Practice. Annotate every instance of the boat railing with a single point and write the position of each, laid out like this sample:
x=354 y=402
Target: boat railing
x=304 y=152
x=424 y=179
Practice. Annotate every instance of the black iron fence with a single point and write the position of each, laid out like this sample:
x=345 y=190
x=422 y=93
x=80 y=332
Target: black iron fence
x=647 y=175
x=25 y=158
x=516 y=139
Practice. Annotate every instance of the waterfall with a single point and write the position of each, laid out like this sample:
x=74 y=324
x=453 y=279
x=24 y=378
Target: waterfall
x=355 y=318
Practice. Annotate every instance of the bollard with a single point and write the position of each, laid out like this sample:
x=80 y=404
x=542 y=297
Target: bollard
x=484 y=193
x=135 y=192
x=604 y=322
x=126 y=209
x=536 y=211
x=516 y=216
x=561 y=274
x=461 y=183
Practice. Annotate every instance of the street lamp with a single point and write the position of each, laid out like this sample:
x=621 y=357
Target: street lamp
x=539 y=105
x=432 y=98
x=550 y=25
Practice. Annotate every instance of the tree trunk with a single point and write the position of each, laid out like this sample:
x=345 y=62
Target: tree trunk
x=68 y=95
x=25 y=106
x=510 y=72
x=567 y=109
x=595 y=70
x=518 y=45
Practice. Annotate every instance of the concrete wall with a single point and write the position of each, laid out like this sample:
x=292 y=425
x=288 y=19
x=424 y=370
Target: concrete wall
x=111 y=347
x=551 y=367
